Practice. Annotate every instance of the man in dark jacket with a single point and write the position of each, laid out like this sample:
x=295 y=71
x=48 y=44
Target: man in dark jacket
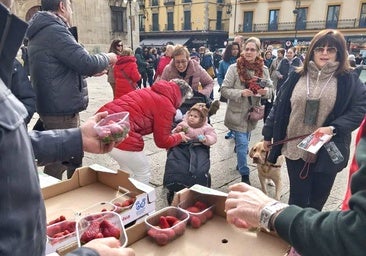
x=22 y=212
x=58 y=64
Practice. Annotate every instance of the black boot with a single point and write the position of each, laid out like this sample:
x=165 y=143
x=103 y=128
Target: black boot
x=245 y=178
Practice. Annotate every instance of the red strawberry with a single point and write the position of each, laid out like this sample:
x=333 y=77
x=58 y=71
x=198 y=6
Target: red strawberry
x=59 y=219
x=193 y=209
x=200 y=205
x=163 y=223
x=161 y=238
x=127 y=202
x=91 y=232
x=171 y=220
x=109 y=230
x=209 y=214
x=68 y=225
x=195 y=222
x=179 y=227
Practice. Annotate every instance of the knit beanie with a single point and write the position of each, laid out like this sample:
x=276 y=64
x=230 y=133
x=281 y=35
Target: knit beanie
x=202 y=110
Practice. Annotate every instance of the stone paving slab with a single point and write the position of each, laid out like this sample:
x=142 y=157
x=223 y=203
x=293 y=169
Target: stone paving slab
x=223 y=158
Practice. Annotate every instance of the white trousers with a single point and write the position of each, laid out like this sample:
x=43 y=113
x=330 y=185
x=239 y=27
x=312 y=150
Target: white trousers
x=134 y=162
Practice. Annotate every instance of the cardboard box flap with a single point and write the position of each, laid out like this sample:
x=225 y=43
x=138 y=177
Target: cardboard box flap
x=212 y=196
x=61 y=187
x=100 y=168
x=150 y=191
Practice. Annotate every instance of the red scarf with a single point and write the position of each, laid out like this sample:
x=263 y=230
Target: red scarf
x=244 y=66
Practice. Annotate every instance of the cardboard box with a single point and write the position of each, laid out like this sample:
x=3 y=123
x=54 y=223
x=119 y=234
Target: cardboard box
x=90 y=186
x=216 y=237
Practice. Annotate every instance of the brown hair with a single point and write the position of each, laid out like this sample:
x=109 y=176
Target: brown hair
x=113 y=47
x=228 y=54
x=329 y=38
x=180 y=50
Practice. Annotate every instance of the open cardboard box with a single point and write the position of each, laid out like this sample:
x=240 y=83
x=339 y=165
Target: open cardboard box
x=89 y=186
x=216 y=237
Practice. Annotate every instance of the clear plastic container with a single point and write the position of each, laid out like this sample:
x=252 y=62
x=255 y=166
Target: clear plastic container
x=200 y=211
x=98 y=225
x=61 y=226
x=173 y=226
x=94 y=210
x=114 y=127
x=124 y=202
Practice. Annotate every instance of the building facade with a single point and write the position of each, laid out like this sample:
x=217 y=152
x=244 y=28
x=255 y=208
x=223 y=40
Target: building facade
x=98 y=21
x=286 y=23
x=193 y=23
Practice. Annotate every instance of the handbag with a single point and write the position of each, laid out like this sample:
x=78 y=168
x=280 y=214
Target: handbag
x=255 y=113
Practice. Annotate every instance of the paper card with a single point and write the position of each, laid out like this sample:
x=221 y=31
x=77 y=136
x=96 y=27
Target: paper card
x=314 y=142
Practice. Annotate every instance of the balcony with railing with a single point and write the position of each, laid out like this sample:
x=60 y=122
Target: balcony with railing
x=304 y=26
x=169 y=2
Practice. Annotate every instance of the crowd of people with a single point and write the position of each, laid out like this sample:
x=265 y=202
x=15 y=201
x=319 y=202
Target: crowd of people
x=301 y=94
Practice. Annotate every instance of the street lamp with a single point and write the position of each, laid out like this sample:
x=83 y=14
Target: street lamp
x=131 y=19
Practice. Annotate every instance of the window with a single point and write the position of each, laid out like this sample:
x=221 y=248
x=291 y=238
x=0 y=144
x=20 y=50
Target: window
x=187 y=20
x=363 y=16
x=248 y=21
x=332 y=17
x=119 y=19
x=142 y=18
x=154 y=2
x=170 y=21
x=273 y=20
x=220 y=1
x=186 y=1
x=155 y=22
x=301 y=18
x=219 y=20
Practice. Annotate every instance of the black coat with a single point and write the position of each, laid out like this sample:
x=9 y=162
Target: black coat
x=346 y=116
x=58 y=65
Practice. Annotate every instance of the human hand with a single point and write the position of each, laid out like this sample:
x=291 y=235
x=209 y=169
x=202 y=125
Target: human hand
x=266 y=145
x=109 y=246
x=244 y=204
x=324 y=130
x=246 y=93
x=185 y=138
x=178 y=129
x=262 y=92
x=112 y=58
x=91 y=141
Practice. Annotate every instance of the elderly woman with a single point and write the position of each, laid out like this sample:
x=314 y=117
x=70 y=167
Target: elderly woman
x=242 y=89
x=189 y=70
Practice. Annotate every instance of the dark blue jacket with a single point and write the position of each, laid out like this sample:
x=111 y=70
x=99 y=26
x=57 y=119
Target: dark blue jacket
x=346 y=116
x=58 y=64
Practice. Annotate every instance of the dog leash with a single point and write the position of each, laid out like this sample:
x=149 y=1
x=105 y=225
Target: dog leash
x=307 y=165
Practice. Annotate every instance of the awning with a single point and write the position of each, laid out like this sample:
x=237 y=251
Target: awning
x=163 y=41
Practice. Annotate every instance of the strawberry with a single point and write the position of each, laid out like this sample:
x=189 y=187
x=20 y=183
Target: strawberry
x=127 y=202
x=200 y=205
x=163 y=223
x=179 y=227
x=193 y=209
x=91 y=232
x=209 y=214
x=109 y=230
x=68 y=225
x=59 y=219
x=161 y=238
x=171 y=220
x=195 y=222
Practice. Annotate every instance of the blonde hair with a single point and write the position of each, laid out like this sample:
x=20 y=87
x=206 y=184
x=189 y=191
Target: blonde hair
x=127 y=52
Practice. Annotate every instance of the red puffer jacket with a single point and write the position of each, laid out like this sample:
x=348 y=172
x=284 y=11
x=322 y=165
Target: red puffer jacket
x=152 y=110
x=126 y=75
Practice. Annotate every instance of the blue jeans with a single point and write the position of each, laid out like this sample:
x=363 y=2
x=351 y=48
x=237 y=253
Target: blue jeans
x=241 y=145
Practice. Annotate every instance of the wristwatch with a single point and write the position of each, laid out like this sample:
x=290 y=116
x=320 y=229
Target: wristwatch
x=267 y=212
x=334 y=131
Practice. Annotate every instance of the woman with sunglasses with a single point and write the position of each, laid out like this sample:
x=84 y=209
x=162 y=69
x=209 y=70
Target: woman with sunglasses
x=116 y=47
x=246 y=82
x=323 y=95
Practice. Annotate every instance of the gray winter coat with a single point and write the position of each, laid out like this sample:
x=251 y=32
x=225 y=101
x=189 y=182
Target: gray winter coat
x=238 y=106
x=58 y=64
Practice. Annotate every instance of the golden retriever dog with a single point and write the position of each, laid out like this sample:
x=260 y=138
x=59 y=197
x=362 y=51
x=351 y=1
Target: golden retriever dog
x=267 y=171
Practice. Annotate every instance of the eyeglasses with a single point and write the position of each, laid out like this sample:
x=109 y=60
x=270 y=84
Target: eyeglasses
x=329 y=50
x=178 y=62
x=119 y=45
x=250 y=49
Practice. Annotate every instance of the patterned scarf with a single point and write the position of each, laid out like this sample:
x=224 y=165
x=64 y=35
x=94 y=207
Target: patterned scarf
x=244 y=67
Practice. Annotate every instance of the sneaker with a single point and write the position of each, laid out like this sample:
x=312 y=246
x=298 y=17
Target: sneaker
x=245 y=178
x=215 y=105
x=230 y=135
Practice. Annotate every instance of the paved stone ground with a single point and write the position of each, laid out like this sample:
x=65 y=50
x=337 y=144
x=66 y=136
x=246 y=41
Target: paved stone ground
x=223 y=158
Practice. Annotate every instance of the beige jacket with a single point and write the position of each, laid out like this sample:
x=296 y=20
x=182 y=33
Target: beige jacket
x=238 y=106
